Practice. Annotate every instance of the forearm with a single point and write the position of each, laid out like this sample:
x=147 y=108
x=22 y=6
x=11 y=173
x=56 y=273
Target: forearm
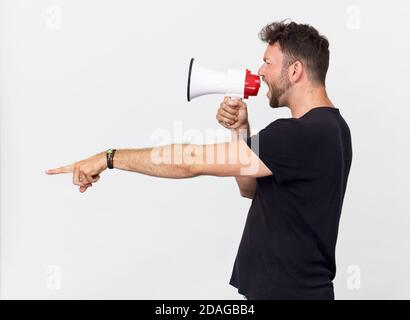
x=247 y=185
x=170 y=161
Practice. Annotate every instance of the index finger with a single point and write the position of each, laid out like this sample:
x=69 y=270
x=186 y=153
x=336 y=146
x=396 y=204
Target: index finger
x=64 y=169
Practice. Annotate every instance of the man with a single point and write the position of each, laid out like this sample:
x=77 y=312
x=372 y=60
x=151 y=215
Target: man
x=295 y=170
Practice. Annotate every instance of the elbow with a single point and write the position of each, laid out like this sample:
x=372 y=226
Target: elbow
x=247 y=194
x=194 y=170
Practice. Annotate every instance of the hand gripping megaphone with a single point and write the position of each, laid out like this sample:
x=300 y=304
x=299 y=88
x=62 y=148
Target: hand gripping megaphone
x=233 y=83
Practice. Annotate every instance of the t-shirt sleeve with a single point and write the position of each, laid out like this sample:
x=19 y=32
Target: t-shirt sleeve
x=283 y=147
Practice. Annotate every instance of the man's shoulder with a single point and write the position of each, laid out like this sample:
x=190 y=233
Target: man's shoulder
x=283 y=125
x=282 y=122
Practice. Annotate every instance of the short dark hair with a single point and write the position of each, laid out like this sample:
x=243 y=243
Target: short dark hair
x=300 y=42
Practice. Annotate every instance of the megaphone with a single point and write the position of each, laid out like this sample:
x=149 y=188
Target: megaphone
x=233 y=83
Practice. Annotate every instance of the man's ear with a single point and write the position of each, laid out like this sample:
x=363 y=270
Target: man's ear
x=296 y=71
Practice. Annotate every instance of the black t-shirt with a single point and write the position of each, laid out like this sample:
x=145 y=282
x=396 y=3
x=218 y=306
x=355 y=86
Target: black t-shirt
x=287 y=250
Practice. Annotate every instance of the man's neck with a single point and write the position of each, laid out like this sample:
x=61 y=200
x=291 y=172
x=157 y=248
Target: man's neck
x=308 y=99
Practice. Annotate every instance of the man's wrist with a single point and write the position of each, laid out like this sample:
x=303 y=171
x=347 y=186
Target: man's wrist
x=110 y=158
x=241 y=132
x=103 y=160
x=242 y=127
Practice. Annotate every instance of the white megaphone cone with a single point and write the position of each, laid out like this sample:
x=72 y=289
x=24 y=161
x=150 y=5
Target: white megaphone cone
x=233 y=83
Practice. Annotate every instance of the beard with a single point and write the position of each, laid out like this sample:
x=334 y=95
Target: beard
x=278 y=89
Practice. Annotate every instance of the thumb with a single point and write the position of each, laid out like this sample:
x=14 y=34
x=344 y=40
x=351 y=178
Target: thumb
x=237 y=103
x=234 y=101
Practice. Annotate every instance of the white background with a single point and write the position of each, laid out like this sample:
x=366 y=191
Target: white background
x=78 y=77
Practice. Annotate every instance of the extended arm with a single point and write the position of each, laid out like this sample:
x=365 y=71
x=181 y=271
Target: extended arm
x=190 y=160
x=172 y=161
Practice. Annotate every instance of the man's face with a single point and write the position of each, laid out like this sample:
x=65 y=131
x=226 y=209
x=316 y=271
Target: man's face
x=275 y=76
